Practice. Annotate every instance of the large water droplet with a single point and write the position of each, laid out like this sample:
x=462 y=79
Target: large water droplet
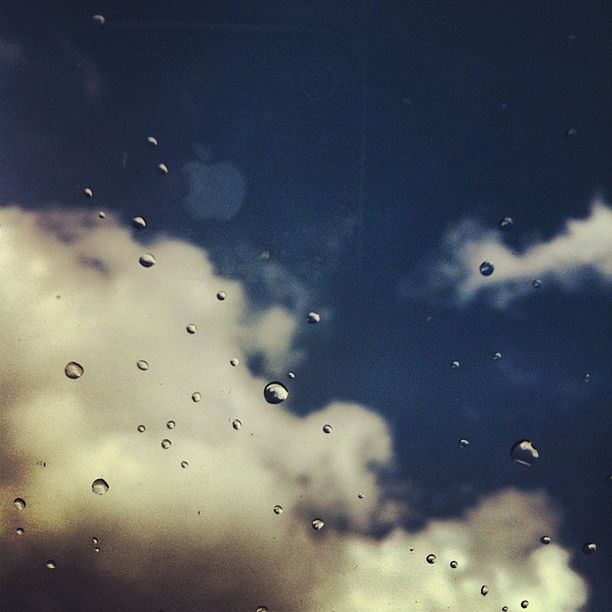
x=163 y=168
x=536 y=283
x=184 y=464
x=318 y=524
x=99 y=486
x=327 y=429
x=506 y=222
x=170 y=424
x=455 y=364
x=275 y=392
x=88 y=191
x=497 y=356
x=196 y=396
x=152 y=141
x=50 y=564
x=313 y=317
x=19 y=503
x=524 y=452
x=484 y=590
x=237 y=424
x=147 y=260
x=141 y=428
x=19 y=530
x=431 y=559
x=221 y=296
x=166 y=444
x=278 y=509
x=454 y=564
x=524 y=604
x=143 y=365
x=139 y=222
x=589 y=548
x=191 y=328
x=486 y=268
x=463 y=442
x=545 y=539
x=73 y=370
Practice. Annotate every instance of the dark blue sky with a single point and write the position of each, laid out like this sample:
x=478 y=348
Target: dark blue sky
x=364 y=132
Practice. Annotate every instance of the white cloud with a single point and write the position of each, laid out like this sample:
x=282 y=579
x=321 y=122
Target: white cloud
x=205 y=537
x=582 y=250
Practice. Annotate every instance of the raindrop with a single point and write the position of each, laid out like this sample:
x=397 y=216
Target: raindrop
x=278 y=509
x=170 y=424
x=486 y=268
x=589 y=548
x=545 y=539
x=236 y=424
x=506 y=222
x=431 y=559
x=51 y=564
x=102 y=215
x=463 y=442
x=184 y=464
x=524 y=452
x=139 y=222
x=313 y=317
x=484 y=590
x=166 y=444
x=318 y=524
x=327 y=429
x=497 y=356
x=537 y=283
x=147 y=260
x=455 y=364
x=99 y=486
x=99 y=20
x=19 y=503
x=163 y=168
x=196 y=397
x=454 y=564
x=524 y=604
x=152 y=141
x=234 y=362
x=291 y=374
x=73 y=370
x=143 y=365
x=94 y=540
x=221 y=296
x=275 y=392
x=191 y=328
x=140 y=428
x=88 y=191
x=19 y=530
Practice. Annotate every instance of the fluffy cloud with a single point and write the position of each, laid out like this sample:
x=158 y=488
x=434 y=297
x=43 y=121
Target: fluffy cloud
x=205 y=536
x=582 y=250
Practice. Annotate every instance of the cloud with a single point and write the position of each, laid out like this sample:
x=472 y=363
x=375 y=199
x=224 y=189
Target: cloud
x=581 y=251
x=216 y=189
x=205 y=536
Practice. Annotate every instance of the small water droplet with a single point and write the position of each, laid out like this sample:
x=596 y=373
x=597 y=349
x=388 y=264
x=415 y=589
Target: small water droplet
x=143 y=365
x=99 y=20
x=102 y=215
x=275 y=392
x=504 y=609
x=327 y=429
x=589 y=548
x=20 y=530
x=455 y=364
x=147 y=260
x=140 y=428
x=524 y=604
x=571 y=134
x=278 y=509
x=497 y=356
x=51 y=564
x=19 y=503
x=94 y=540
x=360 y=496
x=431 y=559
x=545 y=539
x=463 y=442
x=291 y=374
x=88 y=191
x=96 y=549
x=99 y=486
x=234 y=362
x=524 y=453
x=170 y=424
x=536 y=283
x=506 y=222
x=261 y=609
x=152 y=141
x=73 y=370
x=318 y=524
x=221 y=296
x=196 y=396
x=486 y=268
x=163 y=168
x=237 y=424
x=166 y=444
x=139 y=222
x=184 y=464
x=191 y=328
x=484 y=590
x=265 y=256
x=313 y=317
x=454 y=564
x=587 y=378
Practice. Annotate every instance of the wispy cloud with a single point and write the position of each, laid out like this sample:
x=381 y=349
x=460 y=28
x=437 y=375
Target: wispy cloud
x=581 y=251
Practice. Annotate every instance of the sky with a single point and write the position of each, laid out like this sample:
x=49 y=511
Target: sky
x=353 y=161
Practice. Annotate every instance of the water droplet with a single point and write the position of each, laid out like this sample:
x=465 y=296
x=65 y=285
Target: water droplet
x=191 y=328
x=486 y=268
x=20 y=530
x=524 y=604
x=506 y=222
x=99 y=486
x=318 y=524
x=278 y=509
x=497 y=356
x=431 y=559
x=234 y=362
x=170 y=424
x=545 y=539
x=537 y=283
x=73 y=370
x=313 y=317
x=327 y=429
x=587 y=378
x=97 y=549
x=147 y=260
x=261 y=609
x=184 y=464
x=455 y=364
x=275 y=392
x=454 y=564
x=99 y=20
x=94 y=540
x=504 y=608
x=589 y=548
x=102 y=215
x=291 y=374
x=463 y=442
x=143 y=365
x=166 y=444
x=19 y=503
x=484 y=590
x=237 y=424
x=265 y=256
x=140 y=428
x=139 y=222
x=163 y=168
x=152 y=141
x=88 y=191
x=360 y=496
x=571 y=134
x=50 y=564
x=524 y=452
x=221 y=296
x=196 y=397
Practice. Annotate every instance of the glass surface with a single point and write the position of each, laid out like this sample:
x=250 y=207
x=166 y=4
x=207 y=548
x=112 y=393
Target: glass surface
x=305 y=306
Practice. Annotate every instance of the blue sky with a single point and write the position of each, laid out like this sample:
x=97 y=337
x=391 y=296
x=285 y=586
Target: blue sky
x=371 y=152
